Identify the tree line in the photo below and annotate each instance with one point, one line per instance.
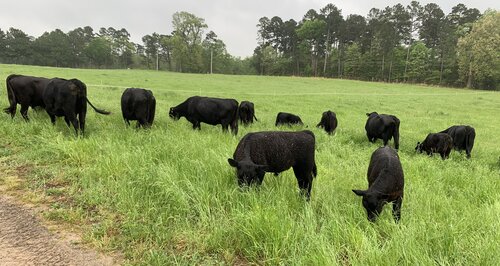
(416, 44)
(186, 49)
(413, 44)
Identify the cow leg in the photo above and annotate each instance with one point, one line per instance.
(81, 118)
(74, 121)
(24, 112)
(127, 122)
(396, 209)
(304, 180)
(447, 153)
(225, 127)
(52, 119)
(12, 110)
(67, 121)
(196, 124)
(369, 138)
(385, 138)
(72, 117)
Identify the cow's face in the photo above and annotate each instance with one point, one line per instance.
(419, 147)
(174, 114)
(248, 173)
(373, 202)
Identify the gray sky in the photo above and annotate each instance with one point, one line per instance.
(234, 21)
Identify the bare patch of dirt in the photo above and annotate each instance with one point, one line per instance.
(26, 239)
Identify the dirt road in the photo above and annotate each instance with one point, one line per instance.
(25, 241)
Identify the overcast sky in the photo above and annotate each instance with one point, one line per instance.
(234, 21)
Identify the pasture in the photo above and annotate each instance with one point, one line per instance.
(168, 195)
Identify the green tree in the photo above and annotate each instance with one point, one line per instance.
(187, 39)
(418, 66)
(334, 24)
(217, 58)
(311, 32)
(18, 47)
(53, 49)
(80, 38)
(3, 46)
(479, 53)
(352, 64)
(99, 52)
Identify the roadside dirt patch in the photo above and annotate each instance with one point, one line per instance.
(25, 239)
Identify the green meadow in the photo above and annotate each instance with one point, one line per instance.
(167, 195)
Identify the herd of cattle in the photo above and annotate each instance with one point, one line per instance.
(257, 152)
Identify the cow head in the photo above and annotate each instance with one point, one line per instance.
(373, 202)
(371, 114)
(248, 172)
(419, 147)
(174, 114)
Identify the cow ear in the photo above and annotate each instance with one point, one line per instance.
(367, 114)
(232, 162)
(359, 192)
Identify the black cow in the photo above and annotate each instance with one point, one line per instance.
(140, 105)
(463, 138)
(328, 122)
(276, 151)
(68, 98)
(440, 143)
(385, 184)
(212, 111)
(287, 119)
(246, 112)
(382, 126)
(26, 91)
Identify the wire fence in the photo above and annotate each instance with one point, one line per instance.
(458, 92)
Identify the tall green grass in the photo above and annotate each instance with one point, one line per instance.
(168, 196)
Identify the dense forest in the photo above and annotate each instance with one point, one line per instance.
(415, 44)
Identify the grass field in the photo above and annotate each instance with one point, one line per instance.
(168, 196)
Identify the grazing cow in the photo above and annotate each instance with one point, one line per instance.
(246, 112)
(276, 151)
(382, 126)
(385, 184)
(68, 98)
(328, 122)
(140, 105)
(463, 138)
(26, 91)
(287, 119)
(212, 111)
(440, 143)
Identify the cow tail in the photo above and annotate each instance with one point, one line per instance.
(12, 98)
(103, 112)
(255, 117)
(396, 134)
(234, 121)
(469, 141)
(151, 110)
